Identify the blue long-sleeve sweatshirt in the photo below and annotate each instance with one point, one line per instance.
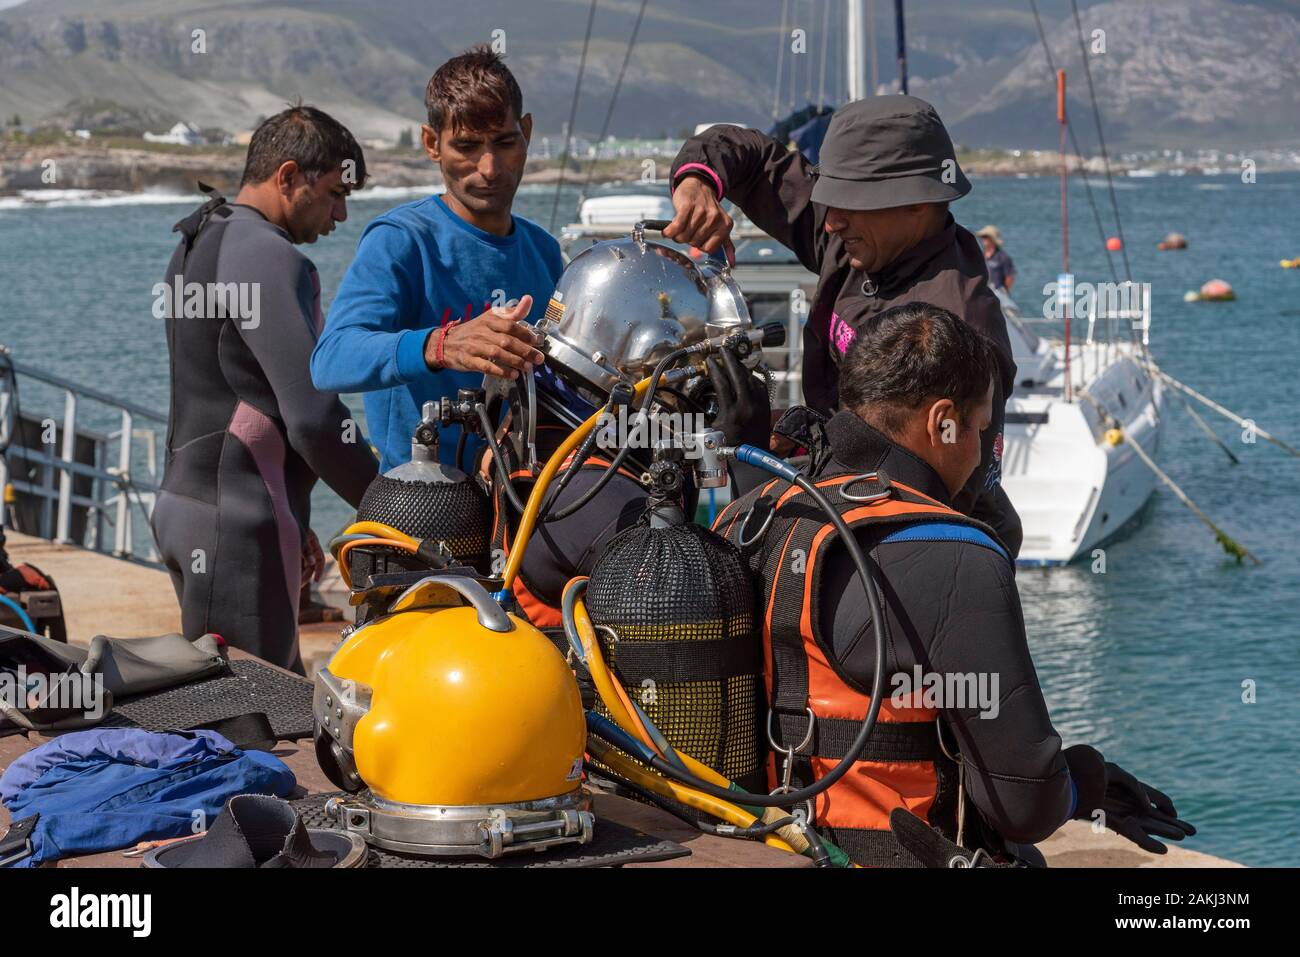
(420, 266)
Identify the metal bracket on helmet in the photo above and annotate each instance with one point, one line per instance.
(490, 615)
(481, 830)
(338, 705)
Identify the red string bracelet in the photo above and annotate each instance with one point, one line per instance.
(442, 338)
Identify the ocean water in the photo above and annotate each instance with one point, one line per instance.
(1149, 661)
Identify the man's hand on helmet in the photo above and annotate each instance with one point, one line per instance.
(700, 220)
(744, 409)
(498, 343)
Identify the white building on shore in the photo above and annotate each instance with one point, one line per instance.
(182, 134)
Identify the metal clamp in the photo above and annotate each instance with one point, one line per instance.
(787, 767)
(865, 477)
(488, 831)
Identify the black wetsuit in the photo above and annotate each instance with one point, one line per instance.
(953, 608)
(773, 186)
(248, 434)
(571, 546)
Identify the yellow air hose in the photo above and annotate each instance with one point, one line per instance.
(606, 687)
(624, 767)
(553, 465)
(380, 530)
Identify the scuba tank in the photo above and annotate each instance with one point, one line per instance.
(430, 502)
(681, 602)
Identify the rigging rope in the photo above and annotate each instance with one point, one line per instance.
(1228, 543)
(1226, 413)
(1074, 141)
(1101, 140)
(573, 116)
(613, 98)
(780, 60)
(821, 83)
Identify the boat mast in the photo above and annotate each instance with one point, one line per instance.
(901, 36)
(855, 60)
(1066, 300)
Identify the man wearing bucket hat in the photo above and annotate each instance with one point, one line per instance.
(871, 219)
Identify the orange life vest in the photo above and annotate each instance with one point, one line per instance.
(812, 702)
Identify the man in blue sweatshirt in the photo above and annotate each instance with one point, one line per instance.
(444, 289)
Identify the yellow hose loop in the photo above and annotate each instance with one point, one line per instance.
(600, 675)
(380, 530)
(606, 687)
(529, 519)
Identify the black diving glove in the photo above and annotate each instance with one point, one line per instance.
(744, 409)
(1132, 809)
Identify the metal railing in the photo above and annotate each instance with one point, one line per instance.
(66, 451)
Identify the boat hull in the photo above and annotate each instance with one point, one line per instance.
(1075, 483)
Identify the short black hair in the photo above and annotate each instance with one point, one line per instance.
(312, 138)
(911, 353)
(474, 91)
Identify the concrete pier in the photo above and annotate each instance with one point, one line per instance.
(104, 595)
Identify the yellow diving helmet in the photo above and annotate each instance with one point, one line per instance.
(458, 727)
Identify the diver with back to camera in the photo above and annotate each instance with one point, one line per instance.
(986, 770)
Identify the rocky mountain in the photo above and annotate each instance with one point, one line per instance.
(1180, 72)
(1193, 73)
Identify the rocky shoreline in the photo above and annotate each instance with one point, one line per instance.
(125, 169)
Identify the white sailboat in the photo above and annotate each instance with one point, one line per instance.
(1068, 462)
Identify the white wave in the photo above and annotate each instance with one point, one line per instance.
(64, 198)
(398, 192)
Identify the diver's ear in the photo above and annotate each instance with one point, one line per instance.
(429, 139)
(941, 423)
(286, 177)
(526, 127)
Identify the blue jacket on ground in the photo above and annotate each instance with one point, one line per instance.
(103, 789)
(420, 266)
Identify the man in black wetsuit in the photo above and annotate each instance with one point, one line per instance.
(249, 434)
(917, 388)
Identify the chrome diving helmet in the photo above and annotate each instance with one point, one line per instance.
(624, 304)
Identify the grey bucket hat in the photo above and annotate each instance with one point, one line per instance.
(887, 151)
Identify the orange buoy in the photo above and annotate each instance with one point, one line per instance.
(1216, 290)
(1113, 244)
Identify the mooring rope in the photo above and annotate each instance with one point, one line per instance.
(1227, 413)
(1229, 544)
